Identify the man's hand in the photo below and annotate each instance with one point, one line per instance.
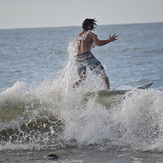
(113, 37)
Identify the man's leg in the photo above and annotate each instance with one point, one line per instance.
(77, 84)
(106, 80)
(82, 75)
(99, 70)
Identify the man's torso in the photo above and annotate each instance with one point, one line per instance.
(84, 42)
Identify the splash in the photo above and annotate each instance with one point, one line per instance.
(53, 115)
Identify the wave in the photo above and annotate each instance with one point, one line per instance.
(54, 119)
(53, 115)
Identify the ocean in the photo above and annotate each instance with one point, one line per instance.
(41, 113)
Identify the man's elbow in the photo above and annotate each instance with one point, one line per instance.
(99, 43)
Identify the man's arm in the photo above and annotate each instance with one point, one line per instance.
(103, 42)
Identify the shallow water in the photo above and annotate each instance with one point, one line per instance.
(82, 155)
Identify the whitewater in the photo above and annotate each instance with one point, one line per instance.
(41, 113)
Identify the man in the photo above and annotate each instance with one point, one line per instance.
(84, 42)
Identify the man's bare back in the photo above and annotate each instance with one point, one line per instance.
(87, 40)
(84, 42)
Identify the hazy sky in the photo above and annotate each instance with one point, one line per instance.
(52, 13)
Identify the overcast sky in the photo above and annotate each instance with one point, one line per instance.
(52, 13)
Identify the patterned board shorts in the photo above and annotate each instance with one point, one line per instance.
(87, 59)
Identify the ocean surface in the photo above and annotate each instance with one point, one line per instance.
(40, 112)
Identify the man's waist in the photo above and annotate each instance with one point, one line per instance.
(84, 56)
(85, 53)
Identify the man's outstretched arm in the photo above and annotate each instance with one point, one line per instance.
(103, 42)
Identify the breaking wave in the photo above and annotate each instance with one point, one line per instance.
(53, 115)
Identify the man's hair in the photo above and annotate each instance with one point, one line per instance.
(89, 24)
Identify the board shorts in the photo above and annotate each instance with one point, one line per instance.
(87, 59)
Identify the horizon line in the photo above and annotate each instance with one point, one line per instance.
(10, 28)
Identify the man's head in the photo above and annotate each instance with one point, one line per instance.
(89, 24)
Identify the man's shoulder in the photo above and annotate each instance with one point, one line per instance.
(80, 34)
(86, 34)
(93, 34)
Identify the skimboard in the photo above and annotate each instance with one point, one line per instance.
(120, 92)
(108, 97)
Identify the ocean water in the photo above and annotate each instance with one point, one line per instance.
(40, 113)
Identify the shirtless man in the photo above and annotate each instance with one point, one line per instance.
(84, 58)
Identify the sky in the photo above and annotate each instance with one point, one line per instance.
(54, 13)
